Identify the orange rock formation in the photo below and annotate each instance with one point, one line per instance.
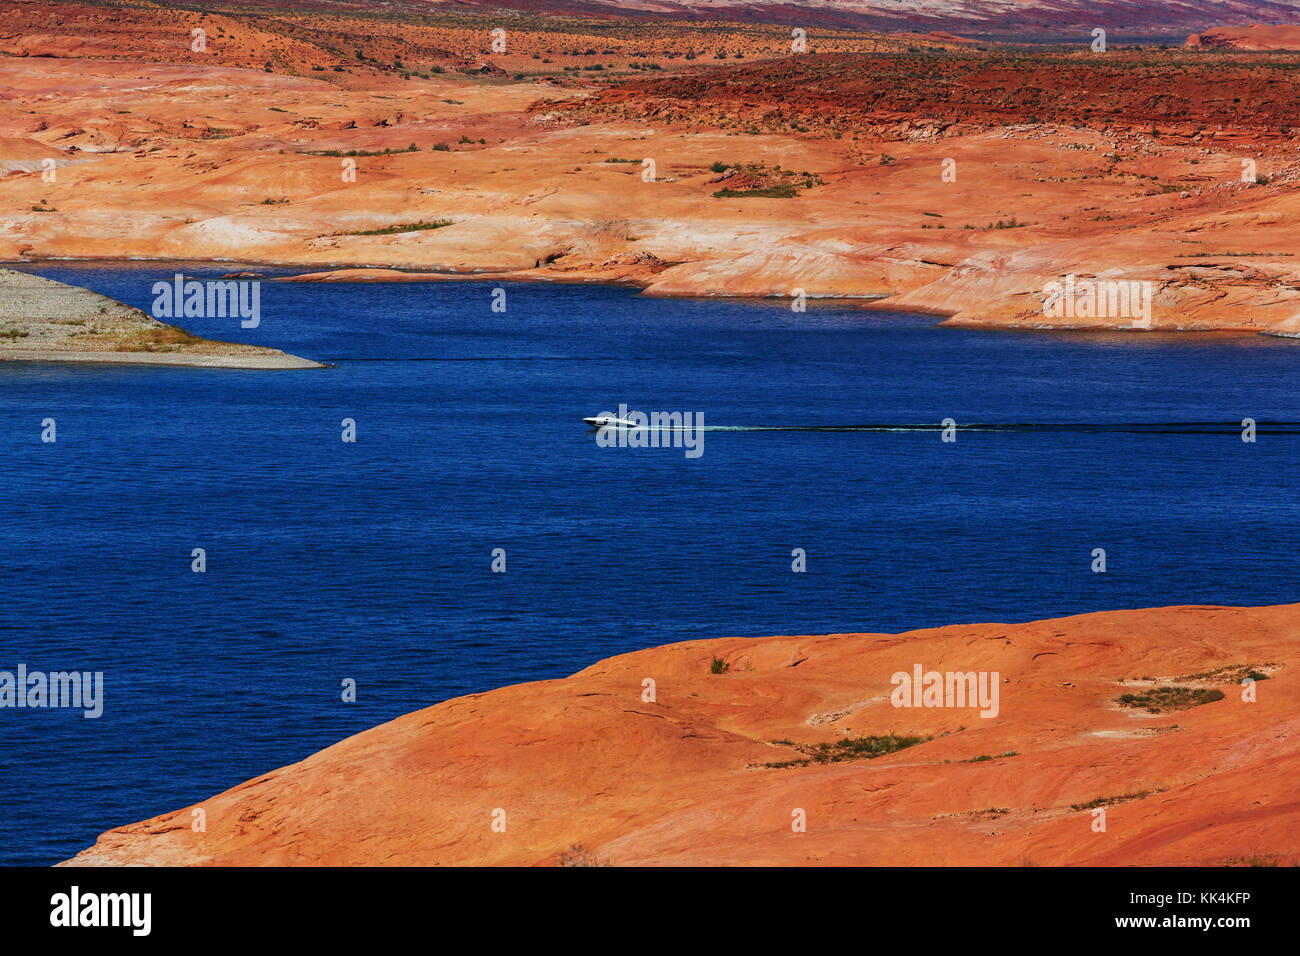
(714, 768)
(950, 181)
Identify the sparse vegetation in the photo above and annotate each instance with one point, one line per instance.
(1158, 700)
(848, 748)
(360, 152)
(756, 180)
(1218, 255)
(1229, 674)
(1110, 801)
(983, 757)
(578, 855)
(763, 192)
(164, 338)
(1259, 859)
(420, 226)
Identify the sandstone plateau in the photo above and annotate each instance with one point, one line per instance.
(907, 173)
(711, 770)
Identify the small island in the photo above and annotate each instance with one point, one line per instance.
(46, 321)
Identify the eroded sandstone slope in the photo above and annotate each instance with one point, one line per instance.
(715, 769)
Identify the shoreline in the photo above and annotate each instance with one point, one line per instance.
(284, 362)
(341, 274)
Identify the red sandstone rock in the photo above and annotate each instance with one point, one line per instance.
(683, 779)
(1167, 167)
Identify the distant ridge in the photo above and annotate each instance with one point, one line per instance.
(1021, 18)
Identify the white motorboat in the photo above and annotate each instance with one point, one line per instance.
(610, 421)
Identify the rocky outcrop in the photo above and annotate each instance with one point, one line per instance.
(1177, 724)
(1257, 36)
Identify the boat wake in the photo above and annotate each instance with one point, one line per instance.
(1134, 428)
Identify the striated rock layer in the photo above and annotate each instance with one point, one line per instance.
(923, 174)
(716, 767)
(966, 204)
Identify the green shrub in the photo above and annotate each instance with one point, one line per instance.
(1159, 699)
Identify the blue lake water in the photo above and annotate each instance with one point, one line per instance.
(372, 560)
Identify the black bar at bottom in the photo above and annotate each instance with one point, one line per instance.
(639, 906)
